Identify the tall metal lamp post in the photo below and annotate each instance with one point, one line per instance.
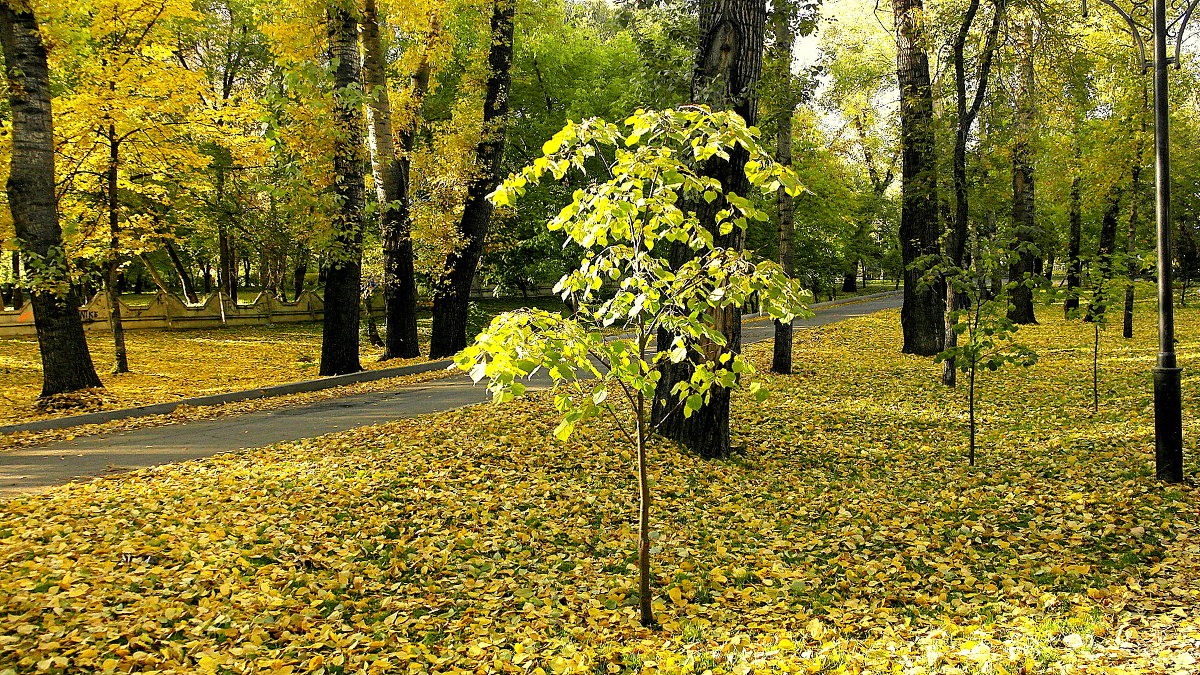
(1168, 404)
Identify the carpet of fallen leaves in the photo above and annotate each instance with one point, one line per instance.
(847, 535)
(171, 365)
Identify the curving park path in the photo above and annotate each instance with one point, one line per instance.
(37, 469)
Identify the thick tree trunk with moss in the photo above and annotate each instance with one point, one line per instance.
(343, 273)
(452, 293)
(922, 317)
(391, 167)
(728, 65)
(66, 361)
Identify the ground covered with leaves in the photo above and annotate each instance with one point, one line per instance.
(171, 365)
(847, 535)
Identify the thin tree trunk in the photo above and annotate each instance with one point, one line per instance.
(781, 357)
(453, 293)
(1075, 233)
(120, 355)
(343, 274)
(645, 597)
(159, 282)
(66, 361)
(391, 167)
(181, 271)
(1135, 191)
(728, 65)
(1098, 304)
(18, 295)
(298, 274)
(922, 317)
(1024, 224)
(226, 259)
(956, 241)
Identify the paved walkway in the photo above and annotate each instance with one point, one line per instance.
(37, 469)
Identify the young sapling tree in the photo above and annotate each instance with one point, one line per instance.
(626, 223)
(984, 331)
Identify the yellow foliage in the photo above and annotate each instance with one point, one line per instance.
(848, 536)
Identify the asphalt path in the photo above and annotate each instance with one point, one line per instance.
(37, 469)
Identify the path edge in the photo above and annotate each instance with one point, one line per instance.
(228, 397)
(302, 386)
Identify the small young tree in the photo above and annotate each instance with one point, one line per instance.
(984, 330)
(626, 224)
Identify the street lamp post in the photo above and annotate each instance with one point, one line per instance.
(1168, 404)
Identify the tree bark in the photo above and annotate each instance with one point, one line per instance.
(66, 361)
(18, 294)
(1104, 257)
(1074, 234)
(781, 357)
(343, 274)
(1021, 269)
(922, 317)
(391, 167)
(956, 240)
(453, 293)
(120, 355)
(181, 271)
(1135, 190)
(728, 65)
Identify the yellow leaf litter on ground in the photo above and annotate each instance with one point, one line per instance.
(847, 535)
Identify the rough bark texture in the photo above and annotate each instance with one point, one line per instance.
(1074, 234)
(343, 273)
(452, 294)
(391, 167)
(956, 239)
(66, 362)
(781, 358)
(922, 317)
(1025, 231)
(728, 66)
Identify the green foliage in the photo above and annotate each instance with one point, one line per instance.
(627, 223)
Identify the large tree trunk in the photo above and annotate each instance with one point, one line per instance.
(922, 317)
(781, 357)
(66, 361)
(391, 167)
(728, 65)
(1021, 269)
(343, 273)
(956, 240)
(452, 293)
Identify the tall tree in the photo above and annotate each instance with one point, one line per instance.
(391, 164)
(781, 61)
(343, 274)
(66, 362)
(956, 239)
(922, 318)
(728, 64)
(452, 293)
(1025, 229)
